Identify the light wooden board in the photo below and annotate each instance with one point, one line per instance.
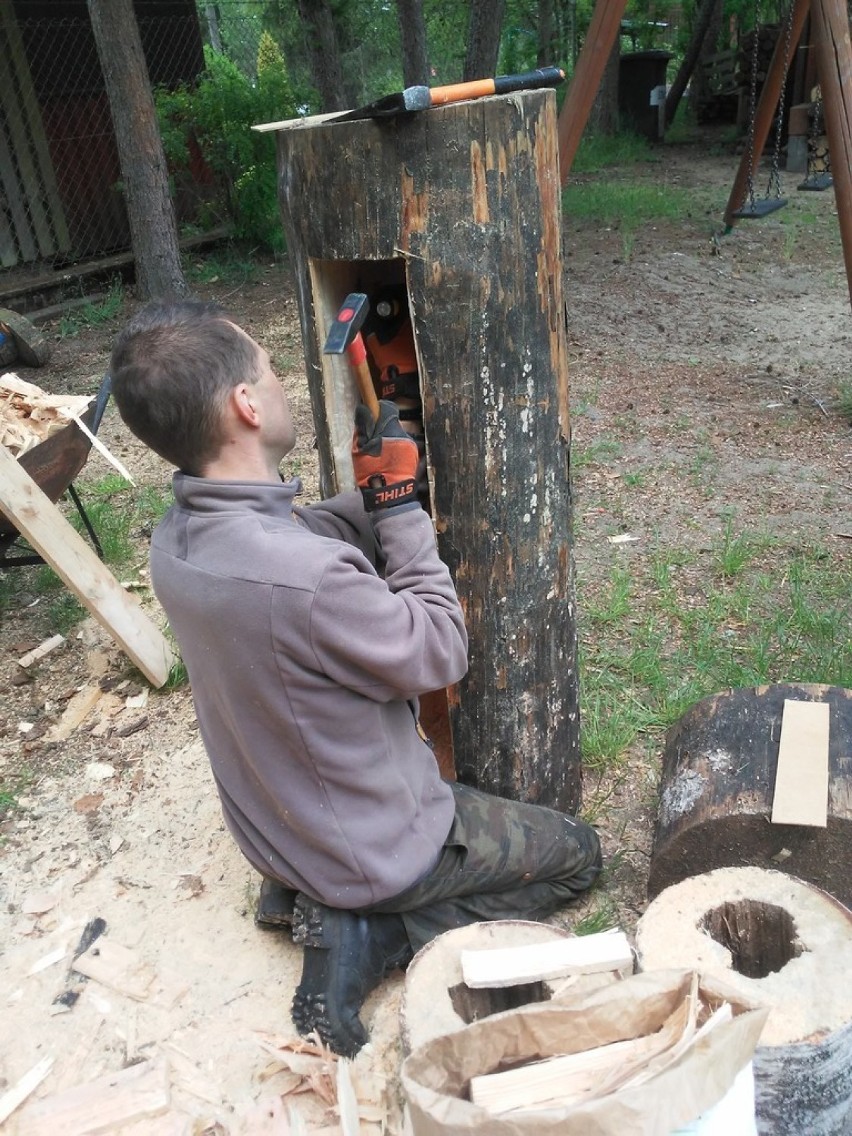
(513, 966)
(44, 526)
(103, 1105)
(801, 778)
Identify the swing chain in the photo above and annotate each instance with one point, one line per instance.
(752, 107)
(774, 175)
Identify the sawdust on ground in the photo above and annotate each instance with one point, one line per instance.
(691, 355)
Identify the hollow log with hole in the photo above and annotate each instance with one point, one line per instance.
(718, 783)
(437, 1001)
(785, 945)
(459, 207)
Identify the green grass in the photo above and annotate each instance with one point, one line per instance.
(598, 151)
(228, 267)
(844, 401)
(121, 515)
(653, 641)
(12, 787)
(94, 315)
(629, 204)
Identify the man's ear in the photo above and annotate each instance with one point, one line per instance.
(243, 403)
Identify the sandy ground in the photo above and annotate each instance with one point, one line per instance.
(682, 345)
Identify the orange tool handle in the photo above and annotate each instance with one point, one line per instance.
(502, 85)
(357, 354)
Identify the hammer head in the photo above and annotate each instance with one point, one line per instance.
(347, 323)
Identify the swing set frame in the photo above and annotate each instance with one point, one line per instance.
(831, 42)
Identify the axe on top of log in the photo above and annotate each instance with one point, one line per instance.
(422, 98)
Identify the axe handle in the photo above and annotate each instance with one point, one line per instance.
(357, 353)
(502, 85)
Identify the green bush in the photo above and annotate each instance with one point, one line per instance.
(216, 115)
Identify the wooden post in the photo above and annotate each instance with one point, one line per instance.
(461, 205)
(602, 34)
(834, 66)
(765, 110)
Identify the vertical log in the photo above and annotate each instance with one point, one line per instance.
(765, 109)
(462, 204)
(834, 65)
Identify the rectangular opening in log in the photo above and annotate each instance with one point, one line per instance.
(391, 349)
(388, 332)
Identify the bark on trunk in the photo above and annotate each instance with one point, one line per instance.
(717, 789)
(153, 229)
(684, 74)
(412, 34)
(324, 51)
(483, 38)
(436, 214)
(604, 116)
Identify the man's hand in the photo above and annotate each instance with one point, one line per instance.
(384, 457)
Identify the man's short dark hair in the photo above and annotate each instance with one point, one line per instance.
(172, 369)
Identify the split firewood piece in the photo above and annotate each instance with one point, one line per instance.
(573, 1078)
(103, 1105)
(40, 651)
(539, 962)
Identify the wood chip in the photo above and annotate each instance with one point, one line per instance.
(13, 1098)
(77, 710)
(118, 968)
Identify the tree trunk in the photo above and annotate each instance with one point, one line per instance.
(436, 217)
(547, 52)
(483, 38)
(153, 229)
(698, 90)
(604, 116)
(211, 15)
(702, 23)
(324, 50)
(412, 34)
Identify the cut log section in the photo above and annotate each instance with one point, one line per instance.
(787, 946)
(437, 1001)
(717, 787)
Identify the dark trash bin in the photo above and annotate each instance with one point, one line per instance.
(640, 74)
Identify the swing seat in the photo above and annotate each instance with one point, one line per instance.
(760, 208)
(817, 183)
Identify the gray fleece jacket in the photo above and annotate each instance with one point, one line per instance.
(305, 667)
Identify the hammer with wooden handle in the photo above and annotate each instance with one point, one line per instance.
(345, 336)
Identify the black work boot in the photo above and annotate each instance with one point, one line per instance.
(274, 905)
(346, 955)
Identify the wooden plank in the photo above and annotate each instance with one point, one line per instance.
(40, 651)
(15, 197)
(19, 134)
(801, 777)
(103, 1105)
(538, 962)
(32, 112)
(61, 546)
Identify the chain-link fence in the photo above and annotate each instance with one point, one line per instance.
(60, 180)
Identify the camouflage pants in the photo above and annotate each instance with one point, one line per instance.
(501, 860)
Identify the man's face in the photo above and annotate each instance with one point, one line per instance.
(277, 430)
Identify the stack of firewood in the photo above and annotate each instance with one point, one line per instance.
(28, 414)
(767, 37)
(819, 161)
